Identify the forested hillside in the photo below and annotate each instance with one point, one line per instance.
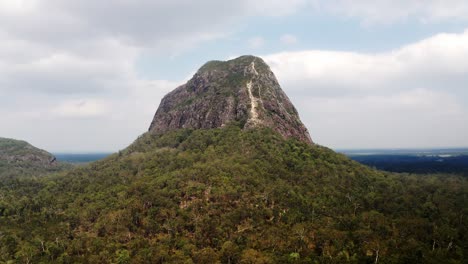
(20, 159)
(229, 195)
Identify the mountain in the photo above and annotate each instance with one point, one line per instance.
(243, 90)
(238, 193)
(19, 158)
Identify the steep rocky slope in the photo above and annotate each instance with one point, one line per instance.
(243, 90)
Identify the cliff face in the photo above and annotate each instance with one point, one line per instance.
(242, 90)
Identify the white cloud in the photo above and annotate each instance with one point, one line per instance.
(414, 96)
(164, 24)
(415, 118)
(288, 39)
(434, 62)
(82, 123)
(276, 7)
(391, 11)
(256, 42)
(16, 6)
(81, 108)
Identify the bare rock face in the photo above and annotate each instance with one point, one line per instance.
(242, 90)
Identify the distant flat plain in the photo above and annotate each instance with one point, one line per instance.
(446, 160)
(80, 157)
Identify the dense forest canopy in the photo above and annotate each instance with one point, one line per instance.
(232, 196)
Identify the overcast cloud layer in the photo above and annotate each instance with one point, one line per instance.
(415, 95)
(69, 79)
(392, 11)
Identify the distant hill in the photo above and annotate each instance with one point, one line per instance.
(19, 158)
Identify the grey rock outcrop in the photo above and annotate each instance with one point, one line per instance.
(242, 90)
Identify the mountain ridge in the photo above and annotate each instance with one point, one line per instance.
(241, 90)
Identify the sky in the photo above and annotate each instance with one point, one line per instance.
(88, 76)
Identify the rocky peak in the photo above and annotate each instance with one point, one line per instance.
(243, 90)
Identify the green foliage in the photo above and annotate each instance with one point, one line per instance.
(20, 159)
(212, 65)
(232, 196)
(122, 256)
(14, 147)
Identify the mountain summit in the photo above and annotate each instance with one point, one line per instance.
(242, 90)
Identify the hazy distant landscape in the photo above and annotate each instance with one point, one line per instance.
(414, 160)
(80, 157)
